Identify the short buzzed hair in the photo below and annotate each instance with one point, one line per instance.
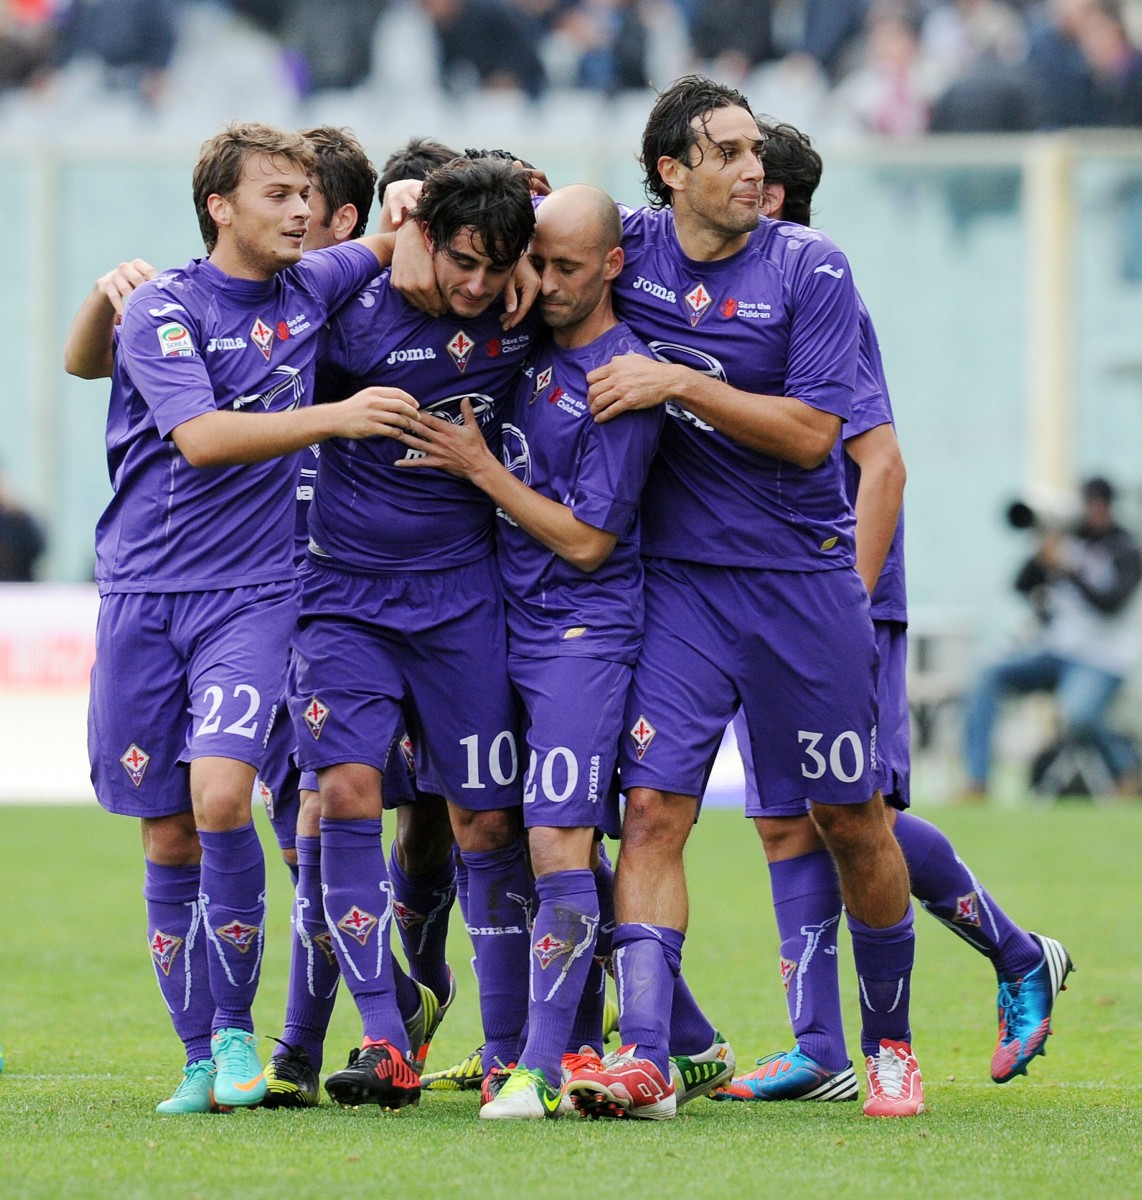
(223, 157)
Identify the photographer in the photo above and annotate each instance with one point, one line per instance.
(1080, 583)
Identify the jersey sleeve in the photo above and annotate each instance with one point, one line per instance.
(158, 348)
(338, 272)
(822, 360)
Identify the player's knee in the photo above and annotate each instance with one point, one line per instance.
(171, 841)
(479, 832)
(350, 792)
(850, 828)
(656, 823)
(787, 837)
(424, 837)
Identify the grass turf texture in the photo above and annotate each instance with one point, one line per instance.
(89, 1050)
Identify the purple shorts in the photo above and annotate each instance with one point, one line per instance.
(430, 646)
(278, 782)
(179, 676)
(794, 650)
(408, 777)
(572, 713)
(892, 732)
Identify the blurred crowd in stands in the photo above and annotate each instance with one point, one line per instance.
(895, 68)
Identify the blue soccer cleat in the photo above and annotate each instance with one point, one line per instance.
(240, 1081)
(195, 1092)
(790, 1075)
(1024, 1007)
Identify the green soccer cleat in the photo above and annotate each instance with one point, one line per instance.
(610, 1018)
(464, 1076)
(240, 1082)
(423, 1024)
(697, 1075)
(526, 1096)
(195, 1093)
(291, 1080)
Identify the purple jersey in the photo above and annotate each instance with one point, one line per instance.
(777, 318)
(872, 407)
(368, 514)
(194, 341)
(551, 442)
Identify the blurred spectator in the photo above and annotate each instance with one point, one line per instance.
(890, 92)
(607, 41)
(21, 539)
(329, 45)
(133, 39)
(488, 44)
(1061, 81)
(832, 27)
(1115, 64)
(990, 97)
(27, 41)
(1080, 582)
(731, 37)
(960, 32)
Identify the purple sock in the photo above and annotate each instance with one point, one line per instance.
(501, 899)
(233, 890)
(645, 957)
(883, 960)
(562, 951)
(461, 882)
(422, 904)
(690, 1029)
(359, 909)
(951, 893)
(807, 905)
(587, 1028)
(313, 971)
(178, 950)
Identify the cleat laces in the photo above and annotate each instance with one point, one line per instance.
(890, 1073)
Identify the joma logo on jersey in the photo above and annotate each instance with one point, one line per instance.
(262, 335)
(225, 344)
(657, 290)
(697, 301)
(175, 340)
(135, 763)
(460, 346)
(416, 354)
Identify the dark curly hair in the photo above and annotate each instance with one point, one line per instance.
(675, 125)
(789, 159)
(486, 195)
(414, 160)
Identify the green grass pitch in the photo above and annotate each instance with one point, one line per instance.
(89, 1050)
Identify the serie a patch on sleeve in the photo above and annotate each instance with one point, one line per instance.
(174, 339)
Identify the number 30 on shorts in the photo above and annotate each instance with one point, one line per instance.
(844, 760)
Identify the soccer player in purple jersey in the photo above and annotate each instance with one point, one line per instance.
(209, 405)
(751, 599)
(341, 194)
(566, 493)
(402, 614)
(807, 900)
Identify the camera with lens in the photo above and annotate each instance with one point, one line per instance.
(1044, 511)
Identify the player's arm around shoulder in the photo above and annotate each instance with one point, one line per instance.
(89, 350)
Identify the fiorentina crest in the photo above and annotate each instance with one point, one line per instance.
(642, 735)
(967, 910)
(135, 763)
(358, 924)
(164, 950)
(548, 948)
(240, 935)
